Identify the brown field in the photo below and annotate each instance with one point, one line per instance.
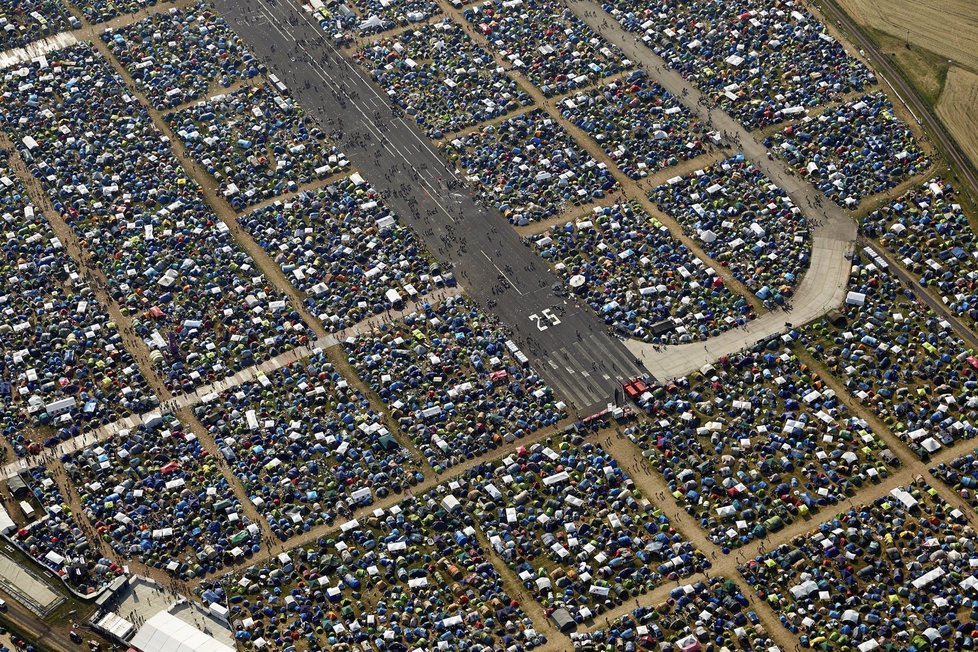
(942, 60)
(948, 28)
(958, 109)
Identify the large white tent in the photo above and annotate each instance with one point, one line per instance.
(164, 632)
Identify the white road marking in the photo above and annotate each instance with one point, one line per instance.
(501, 273)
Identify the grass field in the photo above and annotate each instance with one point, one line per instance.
(942, 57)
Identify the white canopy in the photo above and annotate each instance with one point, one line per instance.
(164, 632)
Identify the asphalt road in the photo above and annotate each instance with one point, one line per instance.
(37, 631)
(566, 342)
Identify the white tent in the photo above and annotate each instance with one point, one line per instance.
(164, 632)
(6, 523)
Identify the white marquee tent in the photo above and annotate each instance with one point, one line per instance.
(164, 632)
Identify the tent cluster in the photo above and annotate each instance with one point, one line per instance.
(638, 278)
(744, 222)
(897, 574)
(711, 615)
(529, 167)
(453, 381)
(414, 576)
(637, 123)
(306, 445)
(762, 61)
(441, 78)
(194, 296)
(338, 20)
(381, 15)
(174, 56)
(256, 144)
(62, 361)
(754, 442)
(544, 40)
(100, 11)
(900, 359)
(155, 494)
(24, 21)
(54, 539)
(568, 520)
(961, 473)
(853, 150)
(932, 235)
(346, 251)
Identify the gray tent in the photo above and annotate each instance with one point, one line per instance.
(562, 620)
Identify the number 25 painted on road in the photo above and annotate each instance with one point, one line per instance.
(538, 320)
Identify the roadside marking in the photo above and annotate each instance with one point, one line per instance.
(503, 274)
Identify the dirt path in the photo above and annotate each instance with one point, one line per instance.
(569, 214)
(271, 271)
(654, 487)
(683, 168)
(338, 358)
(649, 481)
(514, 588)
(80, 516)
(651, 484)
(431, 481)
(875, 202)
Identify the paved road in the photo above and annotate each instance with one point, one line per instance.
(824, 285)
(567, 344)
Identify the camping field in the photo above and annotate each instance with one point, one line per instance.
(942, 60)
